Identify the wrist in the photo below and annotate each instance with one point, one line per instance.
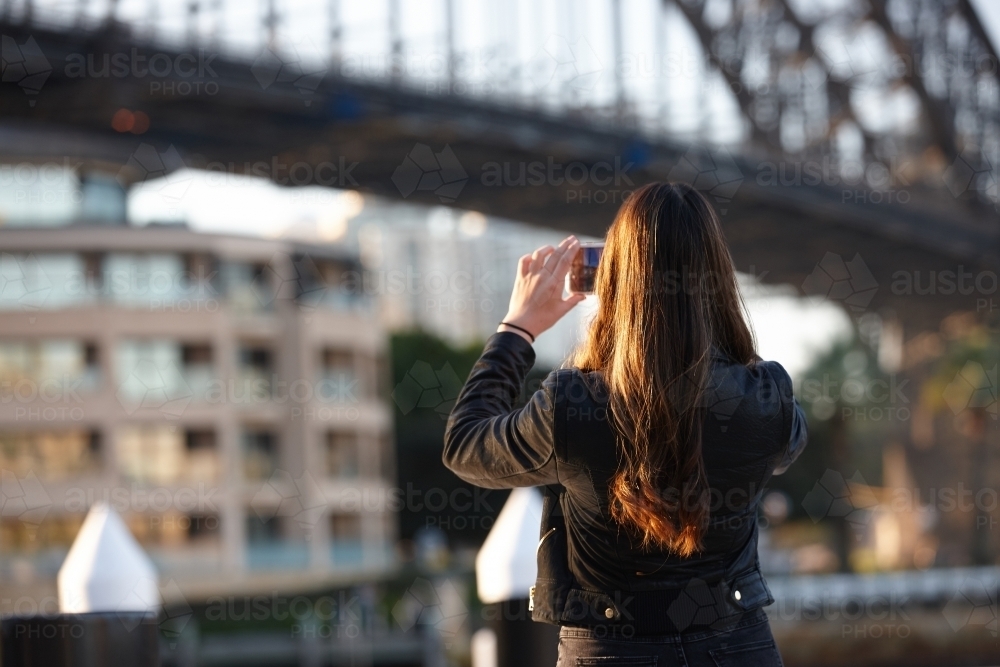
(513, 328)
(525, 321)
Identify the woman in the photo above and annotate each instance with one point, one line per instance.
(653, 447)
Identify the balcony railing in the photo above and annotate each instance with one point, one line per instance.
(278, 555)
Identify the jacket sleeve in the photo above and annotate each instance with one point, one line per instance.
(798, 432)
(487, 442)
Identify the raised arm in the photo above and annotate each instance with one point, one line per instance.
(487, 442)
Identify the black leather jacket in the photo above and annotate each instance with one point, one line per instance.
(590, 571)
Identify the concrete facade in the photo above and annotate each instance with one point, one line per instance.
(226, 395)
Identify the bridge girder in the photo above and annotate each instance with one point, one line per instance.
(780, 225)
(938, 49)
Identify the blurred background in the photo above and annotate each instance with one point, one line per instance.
(249, 252)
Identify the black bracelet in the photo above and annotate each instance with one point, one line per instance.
(514, 326)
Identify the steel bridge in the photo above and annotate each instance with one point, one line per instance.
(862, 138)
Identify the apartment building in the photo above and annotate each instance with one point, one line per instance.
(225, 394)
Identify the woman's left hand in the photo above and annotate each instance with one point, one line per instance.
(537, 302)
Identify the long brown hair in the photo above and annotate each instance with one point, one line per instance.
(668, 295)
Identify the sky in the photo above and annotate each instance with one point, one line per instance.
(989, 15)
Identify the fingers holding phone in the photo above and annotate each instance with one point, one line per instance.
(537, 301)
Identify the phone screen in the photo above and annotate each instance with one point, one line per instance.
(583, 271)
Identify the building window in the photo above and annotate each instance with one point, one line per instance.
(345, 527)
(174, 529)
(256, 365)
(150, 454)
(263, 531)
(150, 375)
(197, 368)
(269, 548)
(196, 354)
(383, 377)
(202, 455)
(386, 459)
(345, 543)
(46, 281)
(45, 368)
(342, 454)
(202, 528)
(337, 360)
(200, 278)
(49, 454)
(141, 279)
(339, 382)
(159, 454)
(260, 454)
(56, 532)
(328, 283)
(163, 374)
(247, 286)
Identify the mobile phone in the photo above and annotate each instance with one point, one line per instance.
(583, 271)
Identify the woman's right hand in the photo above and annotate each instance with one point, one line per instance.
(537, 301)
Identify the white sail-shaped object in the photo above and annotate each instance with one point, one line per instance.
(106, 569)
(505, 565)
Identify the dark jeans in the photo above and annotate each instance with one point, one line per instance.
(747, 642)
